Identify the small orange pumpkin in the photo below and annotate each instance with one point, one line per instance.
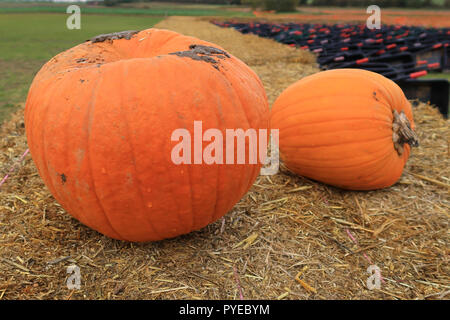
(99, 119)
(349, 128)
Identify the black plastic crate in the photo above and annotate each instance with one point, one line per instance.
(433, 91)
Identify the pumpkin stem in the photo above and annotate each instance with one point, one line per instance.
(402, 132)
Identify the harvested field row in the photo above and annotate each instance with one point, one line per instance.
(428, 18)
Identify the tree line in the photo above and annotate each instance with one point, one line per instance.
(291, 5)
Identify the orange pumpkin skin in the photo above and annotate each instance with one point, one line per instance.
(99, 119)
(337, 127)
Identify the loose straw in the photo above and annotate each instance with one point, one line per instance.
(11, 170)
(238, 283)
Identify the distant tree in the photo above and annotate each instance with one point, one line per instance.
(111, 3)
(254, 4)
(281, 5)
(277, 5)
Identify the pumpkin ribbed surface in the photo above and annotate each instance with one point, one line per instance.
(99, 119)
(343, 127)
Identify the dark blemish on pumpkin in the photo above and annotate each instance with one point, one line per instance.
(180, 116)
(375, 96)
(129, 178)
(81, 80)
(203, 53)
(81, 60)
(114, 36)
(63, 178)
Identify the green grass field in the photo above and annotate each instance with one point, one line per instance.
(437, 75)
(29, 40)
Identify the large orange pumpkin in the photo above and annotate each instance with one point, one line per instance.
(99, 119)
(347, 127)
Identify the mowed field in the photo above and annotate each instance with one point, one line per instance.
(28, 40)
